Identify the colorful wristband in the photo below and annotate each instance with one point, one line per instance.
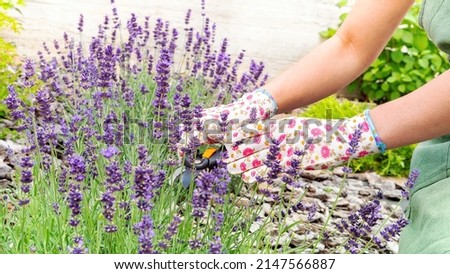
(380, 144)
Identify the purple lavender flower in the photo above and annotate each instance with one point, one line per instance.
(77, 167)
(187, 19)
(256, 70)
(354, 141)
(347, 170)
(109, 134)
(110, 152)
(195, 244)
(26, 178)
(223, 178)
(62, 178)
(74, 199)
(43, 100)
(253, 113)
(56, 208)
(110, 228)
(394, 229)
(272, 161)
(216, 246)
(371, 213)
(162, 78)
(145, 233)
(412, 178)
(219, 217)
(23, 202)
(128, 167)
(142, 153)
(81, 23)
(28, 73)
(312, 212)
(172, 229)
(146, 182)
(202, 193)
(125, 206)
(108, 200)
(107, 63)
(352, 246)
(26, 162)
(78, 247)
(12, 102)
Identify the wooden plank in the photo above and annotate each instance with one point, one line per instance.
(276, 32)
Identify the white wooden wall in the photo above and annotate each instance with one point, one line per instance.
(276, 32)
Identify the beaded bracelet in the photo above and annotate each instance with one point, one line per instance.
(380, 144)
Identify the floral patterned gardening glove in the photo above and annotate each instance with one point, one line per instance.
(216, 124)
(277, 148)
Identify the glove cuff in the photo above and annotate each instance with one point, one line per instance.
(268, 100)
(380, 144)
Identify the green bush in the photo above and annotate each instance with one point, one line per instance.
(408, 61)
(8, 54)
(391, 163)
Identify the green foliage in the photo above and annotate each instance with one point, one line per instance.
(7, 50)
(335, 108)
(408, 61)
(392, 163)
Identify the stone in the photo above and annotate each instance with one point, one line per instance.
(4, 170)
(392, 247)
(342, 214)
(7, 123)
(394, 195)
(9, 145)
(243, 202)
(317, 175)
(4, 183)
(387, 185)
(256, 226)
(373, 179)
(352, 183)
(364, 193)
(282, 240)
(342, 203)
(324, 197)
(312, 189)
(339, 171)
(267, 209)
(271, 188)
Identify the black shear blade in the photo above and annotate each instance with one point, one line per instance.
(187, 177)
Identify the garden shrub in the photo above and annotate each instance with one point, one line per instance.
(8, 56)
(101, 140)
(408, 61)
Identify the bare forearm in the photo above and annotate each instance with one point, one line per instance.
(421, 115)
(325, 70)
(336, 62)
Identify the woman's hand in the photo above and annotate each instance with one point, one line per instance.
(290, 145)
(215, 124)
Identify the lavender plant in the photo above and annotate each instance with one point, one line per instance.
(96, 175)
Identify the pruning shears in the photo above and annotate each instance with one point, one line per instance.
(204, 161)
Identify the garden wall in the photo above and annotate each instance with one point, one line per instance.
(276, 32)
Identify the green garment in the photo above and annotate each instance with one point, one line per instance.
(429, 207)
(434, 18)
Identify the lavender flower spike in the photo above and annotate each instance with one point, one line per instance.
(144, 230)
(110, 151)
